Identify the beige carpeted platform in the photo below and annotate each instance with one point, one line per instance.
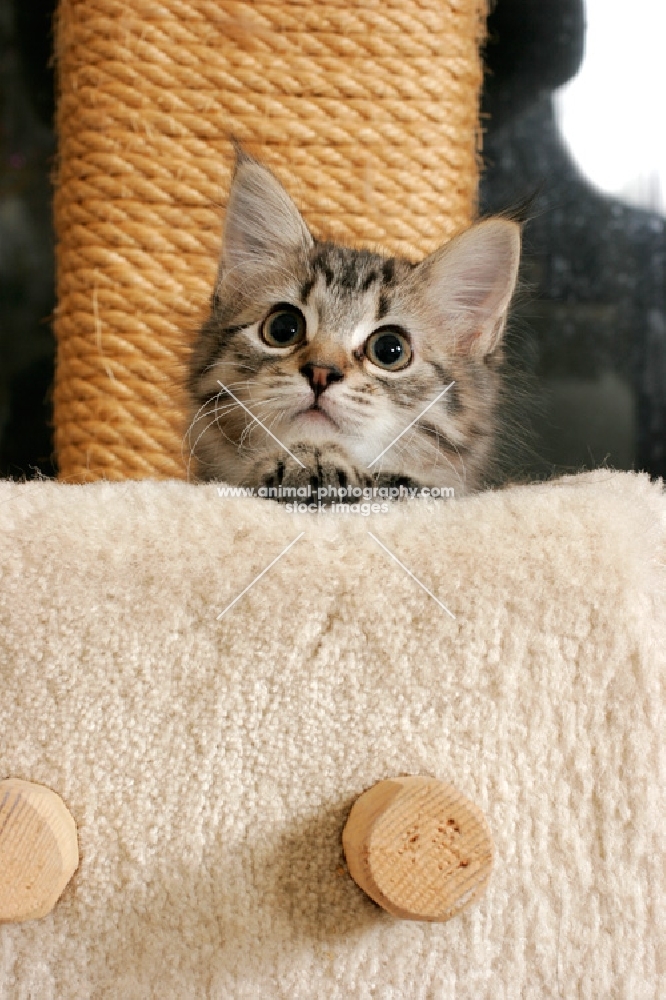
(210, 764)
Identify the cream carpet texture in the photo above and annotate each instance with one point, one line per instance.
(210, 763)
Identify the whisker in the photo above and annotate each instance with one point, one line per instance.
(192, 449)
(233, 364)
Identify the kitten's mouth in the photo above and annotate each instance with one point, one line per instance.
(315, 415)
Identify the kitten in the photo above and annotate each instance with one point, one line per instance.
(338, 351)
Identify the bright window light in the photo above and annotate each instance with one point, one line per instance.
(612, 113)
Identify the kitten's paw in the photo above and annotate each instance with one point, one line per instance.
(320, 468)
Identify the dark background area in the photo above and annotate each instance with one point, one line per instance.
(588, 340)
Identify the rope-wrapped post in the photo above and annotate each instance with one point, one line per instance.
(367, 112)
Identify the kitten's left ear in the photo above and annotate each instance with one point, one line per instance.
(262, 224)
(468, 285)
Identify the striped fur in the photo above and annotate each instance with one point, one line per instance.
(451, 308)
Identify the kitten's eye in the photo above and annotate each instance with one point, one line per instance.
(389, 348)
(283, 327)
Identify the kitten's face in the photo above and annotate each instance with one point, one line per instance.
(336, 352)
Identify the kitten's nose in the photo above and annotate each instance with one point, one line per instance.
(320, 376)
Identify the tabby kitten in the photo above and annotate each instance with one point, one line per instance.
(337, 351)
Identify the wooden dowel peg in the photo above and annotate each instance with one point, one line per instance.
(418, 848)
(38, 850)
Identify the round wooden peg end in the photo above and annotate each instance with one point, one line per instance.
(418, 848)
(38, 850)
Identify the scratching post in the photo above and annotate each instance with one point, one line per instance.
(367, 112)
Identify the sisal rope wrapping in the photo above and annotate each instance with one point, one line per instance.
(367, 112)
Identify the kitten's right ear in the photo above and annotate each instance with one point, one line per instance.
(468, 284)
(262, 224)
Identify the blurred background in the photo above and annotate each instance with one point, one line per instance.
(571, 106)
